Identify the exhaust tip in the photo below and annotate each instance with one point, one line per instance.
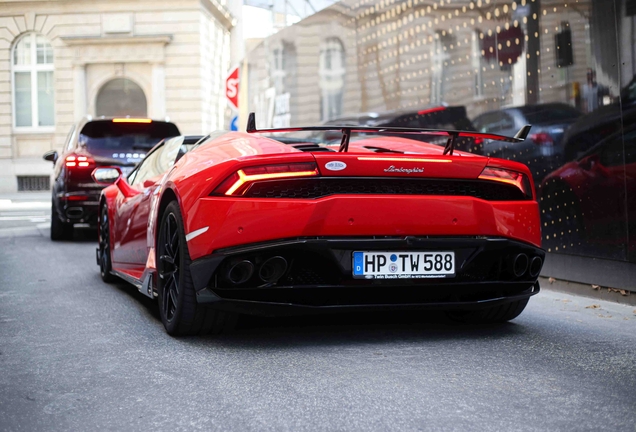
(240, 272)
(520, 264)
(272, 269)
(74, 212)
(535, 266)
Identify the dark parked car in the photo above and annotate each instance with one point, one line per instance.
(543, 150)
(600, 123)
(92, 143)
(439, 117)
(592, 201)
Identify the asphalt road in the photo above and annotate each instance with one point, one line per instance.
(78, 354)
(24, 213)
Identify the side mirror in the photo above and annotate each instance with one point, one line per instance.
(106, 175)
(50, 156)
(149, 183)
(589, 162)
(112, 175)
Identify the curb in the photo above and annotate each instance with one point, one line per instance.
(615, 295)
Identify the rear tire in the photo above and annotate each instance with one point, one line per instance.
(496, 314)
(103, 232)
(180, 313)
(60, 230)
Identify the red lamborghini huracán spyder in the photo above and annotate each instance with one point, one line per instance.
(242, 223)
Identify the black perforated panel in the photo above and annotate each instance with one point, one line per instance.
(320, 187)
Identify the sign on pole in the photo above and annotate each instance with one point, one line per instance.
(232, 88)
(234, 123)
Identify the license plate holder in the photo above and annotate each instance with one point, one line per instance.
(403, 264)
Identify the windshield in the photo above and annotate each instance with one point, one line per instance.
(119, 140)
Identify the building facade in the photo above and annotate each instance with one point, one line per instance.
(61, 60)
(566, 67)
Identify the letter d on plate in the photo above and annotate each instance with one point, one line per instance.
(335, 165)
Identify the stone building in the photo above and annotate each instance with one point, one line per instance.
(61, 60)
(378, 55)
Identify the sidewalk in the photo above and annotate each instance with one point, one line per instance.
(591, 291)
(26, 196)
(25, 201)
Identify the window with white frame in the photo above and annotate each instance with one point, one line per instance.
(478, 64)
(278, 68)
(439, 65)
(331, 72)
(33, 92)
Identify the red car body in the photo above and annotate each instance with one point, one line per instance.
(411, 197)
(589, 201)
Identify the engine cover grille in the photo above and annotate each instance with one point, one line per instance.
(325, 186)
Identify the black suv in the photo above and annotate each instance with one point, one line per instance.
(92, 143)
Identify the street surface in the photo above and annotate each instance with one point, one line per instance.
(78, 354)
(24, 213)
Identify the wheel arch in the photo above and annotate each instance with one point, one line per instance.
(167, 197)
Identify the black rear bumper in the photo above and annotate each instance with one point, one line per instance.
(319, 276)
(77, 211)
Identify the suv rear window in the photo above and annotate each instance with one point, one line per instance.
(104, 137)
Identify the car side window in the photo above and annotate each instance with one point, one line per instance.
(630, 148)
(497, 122)
(486, 122)
(507, 122)
(612, 153)
(620, 150)
(131, 177)
(159, 161)
(69, 139)
(148, 168)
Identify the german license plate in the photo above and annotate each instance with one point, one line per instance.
(403, 265)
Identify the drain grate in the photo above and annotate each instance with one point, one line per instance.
(33, 183)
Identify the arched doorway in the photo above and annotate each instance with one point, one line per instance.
(121, 97)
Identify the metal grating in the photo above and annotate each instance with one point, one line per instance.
(33, 183)
(320, 187)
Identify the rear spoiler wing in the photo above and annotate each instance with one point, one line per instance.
(348, 130)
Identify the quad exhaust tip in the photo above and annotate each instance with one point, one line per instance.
(535, 266)
(272, 269)
(520, 264)
(240, 272)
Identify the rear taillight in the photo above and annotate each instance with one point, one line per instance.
(514, 178)
(542, 139)
(237, 183)
(73, 161)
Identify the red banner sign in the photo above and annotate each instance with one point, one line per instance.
(232, 88)
(505, 46)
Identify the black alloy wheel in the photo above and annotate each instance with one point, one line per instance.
(178, 307)
(169, 273)
(105, 263)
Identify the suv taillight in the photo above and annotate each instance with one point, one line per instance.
(76, 161)
(237, 183)
(542, 139)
